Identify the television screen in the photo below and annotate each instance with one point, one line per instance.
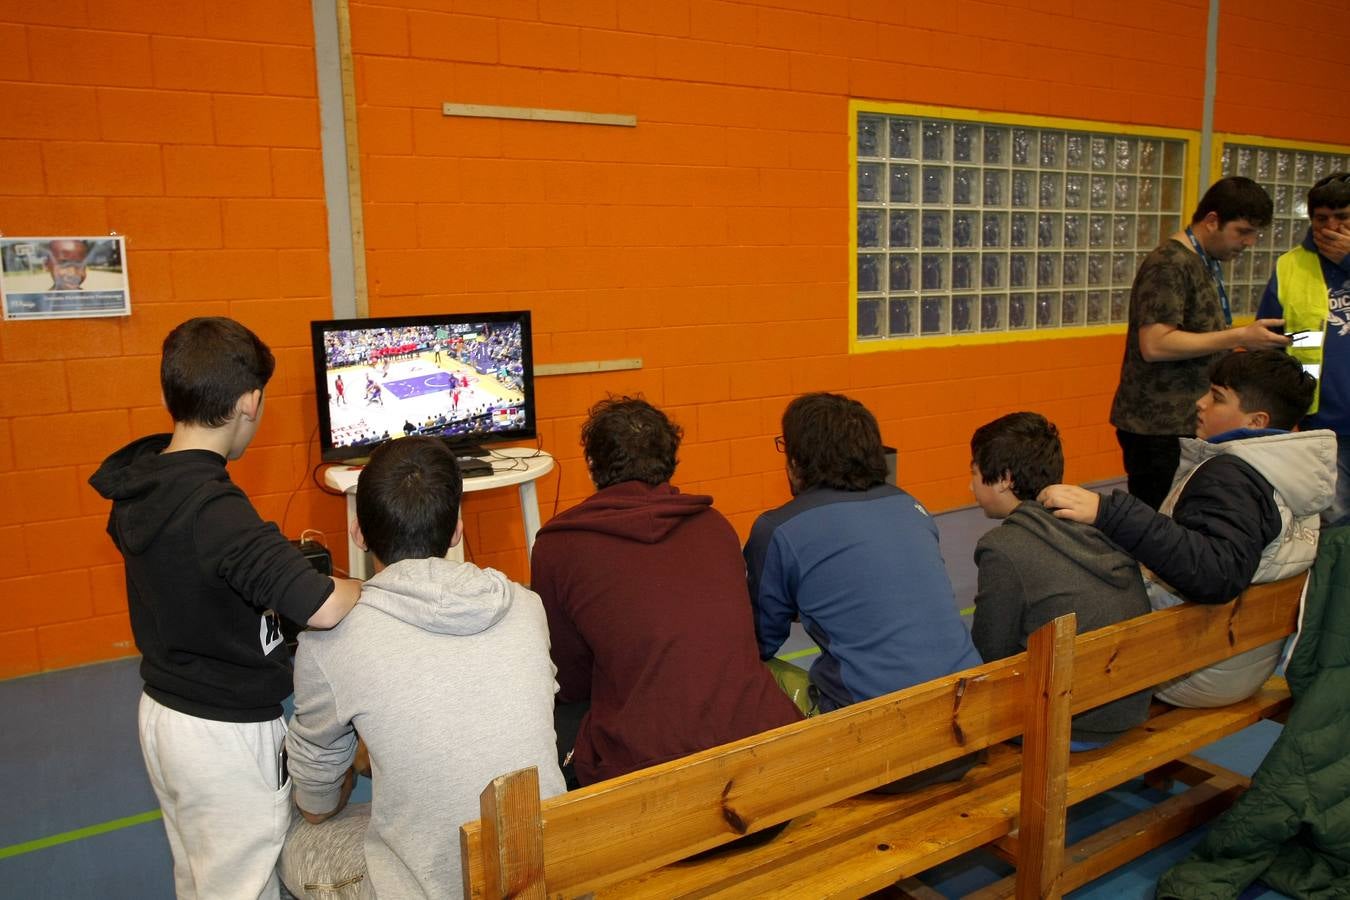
(468, 378)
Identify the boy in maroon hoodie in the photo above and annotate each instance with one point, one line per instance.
(648, 611)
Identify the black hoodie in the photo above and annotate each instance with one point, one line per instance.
(203, 571)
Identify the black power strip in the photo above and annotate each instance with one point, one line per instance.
(317, 554)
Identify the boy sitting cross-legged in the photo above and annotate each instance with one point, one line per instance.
(1243, 508)
(444, 671)
(1035, 567)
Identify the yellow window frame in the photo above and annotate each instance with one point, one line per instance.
(1190, 181)
(1223, 138)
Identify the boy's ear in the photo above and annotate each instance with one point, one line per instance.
(459, 533)
(1259, 419)
(250, 403)
(1005, 481)
(359, 539)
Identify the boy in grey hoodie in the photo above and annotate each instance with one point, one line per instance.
(1035, 567)
(446, 676)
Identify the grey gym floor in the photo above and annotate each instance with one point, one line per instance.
(80, 820)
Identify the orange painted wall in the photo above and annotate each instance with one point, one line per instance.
(193, 129)
(711, 241)
(1280, 72)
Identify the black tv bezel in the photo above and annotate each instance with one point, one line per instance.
(318, 327)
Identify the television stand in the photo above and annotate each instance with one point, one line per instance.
(532, 463)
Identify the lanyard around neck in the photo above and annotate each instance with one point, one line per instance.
(1216, 271)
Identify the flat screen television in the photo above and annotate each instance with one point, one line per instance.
(465, 377)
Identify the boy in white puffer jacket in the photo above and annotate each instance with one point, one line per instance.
(1243, 509)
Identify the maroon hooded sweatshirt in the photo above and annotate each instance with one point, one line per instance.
(649, 619)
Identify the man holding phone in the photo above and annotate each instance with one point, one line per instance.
(1180, 324)
(1310, 290)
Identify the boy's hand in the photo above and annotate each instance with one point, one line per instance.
(1331, 243)
(1069, 501)
(345, 794)
(361, 762)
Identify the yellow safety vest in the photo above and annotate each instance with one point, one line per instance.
(1304, 297)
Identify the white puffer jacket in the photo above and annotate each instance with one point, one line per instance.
(1300, 466)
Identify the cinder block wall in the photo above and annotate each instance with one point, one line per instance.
(712, 240)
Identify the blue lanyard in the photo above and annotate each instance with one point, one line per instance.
(1215, 270)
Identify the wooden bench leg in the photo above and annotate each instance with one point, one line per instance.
(1045, 760)
(1215, 789)
(513, 837)
(1116, 845)
(1190, 770)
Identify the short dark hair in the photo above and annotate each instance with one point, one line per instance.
(207, 364)
(628, 439)
(833, 441)
(1269, 381)
(1236, 197)
(407, 499)
(1022, 445)
(1332, 192)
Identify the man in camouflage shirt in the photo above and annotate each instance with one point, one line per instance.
(1180, 324)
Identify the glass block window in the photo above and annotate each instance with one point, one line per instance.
(1286, 173)
(970, 228)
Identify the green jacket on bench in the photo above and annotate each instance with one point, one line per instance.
(1292, 828)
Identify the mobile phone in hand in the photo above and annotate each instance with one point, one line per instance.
(1307, 339)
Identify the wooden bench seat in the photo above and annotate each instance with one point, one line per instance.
(627, 837)
(876, 840)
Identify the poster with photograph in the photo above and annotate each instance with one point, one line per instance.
(63, 277)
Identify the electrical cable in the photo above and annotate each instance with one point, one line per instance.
(285, 513)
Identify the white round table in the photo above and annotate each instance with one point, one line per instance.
(520, 466)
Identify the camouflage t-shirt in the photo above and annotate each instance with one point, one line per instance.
(1172, 287)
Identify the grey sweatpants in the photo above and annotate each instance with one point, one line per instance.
(328, 861)
(217, 784)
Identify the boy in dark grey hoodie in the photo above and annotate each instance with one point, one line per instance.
(444, 670)
(1035, 567)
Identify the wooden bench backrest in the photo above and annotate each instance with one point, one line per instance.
(637, 822)
(625, 826)
(1130, 656)
(1110, 663)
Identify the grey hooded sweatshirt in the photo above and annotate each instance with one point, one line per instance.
(443, 668)
(1034, 568)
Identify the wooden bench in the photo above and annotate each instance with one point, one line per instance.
(632, 836)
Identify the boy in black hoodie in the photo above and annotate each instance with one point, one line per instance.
(206, 580)
(1035, 567)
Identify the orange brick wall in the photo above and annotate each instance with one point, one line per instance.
(1279, 72)
(711, 240)
(193, 129)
